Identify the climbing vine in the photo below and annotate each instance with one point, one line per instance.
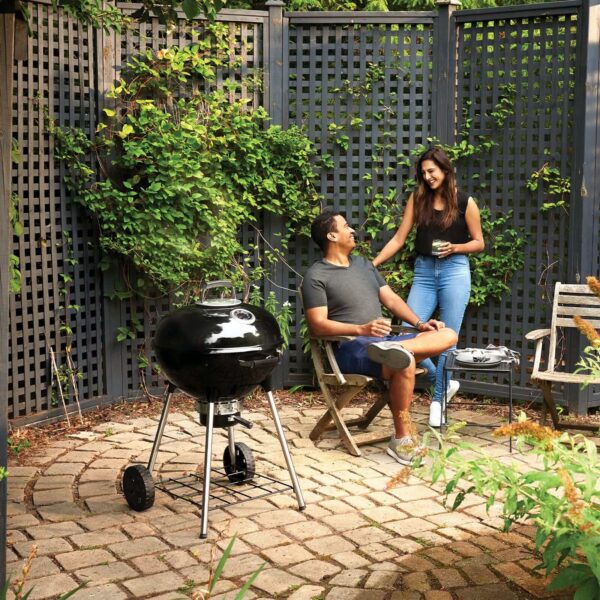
(556, 187)
(185, 164)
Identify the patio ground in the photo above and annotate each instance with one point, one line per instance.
(356, 539)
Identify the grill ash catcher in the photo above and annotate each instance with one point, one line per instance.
(218, 351)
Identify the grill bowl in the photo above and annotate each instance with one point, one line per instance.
(217, 349)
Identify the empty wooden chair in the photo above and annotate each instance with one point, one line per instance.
(548, 369)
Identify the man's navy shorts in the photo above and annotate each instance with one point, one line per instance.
(352, 356)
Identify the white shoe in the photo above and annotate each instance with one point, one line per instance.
(390, 354)
(436, 417)
(453, 387)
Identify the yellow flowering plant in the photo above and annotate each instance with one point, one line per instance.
(590, 362)
(559, 496)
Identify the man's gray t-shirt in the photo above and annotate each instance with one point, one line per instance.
(350, 293)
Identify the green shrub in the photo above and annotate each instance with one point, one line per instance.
(559, 497)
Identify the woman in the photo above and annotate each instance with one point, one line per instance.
(450, 218)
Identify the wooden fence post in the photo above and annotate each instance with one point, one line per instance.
(114, 353)
(443, 98)
(7, 49)
(585, 190)
(275, 102)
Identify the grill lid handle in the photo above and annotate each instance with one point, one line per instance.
(224, 283)
(258, 362)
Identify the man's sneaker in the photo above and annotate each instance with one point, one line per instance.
(403, 450)
(436, 414)
(390, 354)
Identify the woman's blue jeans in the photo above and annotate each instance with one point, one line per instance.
(443, 283)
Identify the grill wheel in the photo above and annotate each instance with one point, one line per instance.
(138, 487)
(244, 468)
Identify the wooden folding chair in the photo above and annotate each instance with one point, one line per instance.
(338, 390)
(569, 300)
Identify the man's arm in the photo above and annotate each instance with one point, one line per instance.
(320, 324)
(394, 303)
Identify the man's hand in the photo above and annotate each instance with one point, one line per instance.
(376, 328)
(432, 325)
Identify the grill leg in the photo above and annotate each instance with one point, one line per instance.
(286, 452)
(207, 468)
(231, 442)
(161, 426)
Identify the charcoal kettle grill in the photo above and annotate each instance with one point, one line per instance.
(218, 351)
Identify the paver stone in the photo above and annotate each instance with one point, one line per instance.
(315, 570)
(276, 581)
(161, 582)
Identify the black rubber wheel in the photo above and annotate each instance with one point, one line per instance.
(138, 487)
(244, 467)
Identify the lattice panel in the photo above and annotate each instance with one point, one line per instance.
(362, 94)
(245, 53)
(537, 56)
(61, 68)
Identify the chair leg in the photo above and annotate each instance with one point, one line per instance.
(375, 409)
(549, 403)
(544, 416)
(340, 425)
(332, 405)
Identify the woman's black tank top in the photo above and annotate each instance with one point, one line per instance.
(457, 233)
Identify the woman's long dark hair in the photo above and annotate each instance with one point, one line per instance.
(423, 195)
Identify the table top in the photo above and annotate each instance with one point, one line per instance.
(506, 366)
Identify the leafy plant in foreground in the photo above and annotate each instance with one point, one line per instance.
(559, 497)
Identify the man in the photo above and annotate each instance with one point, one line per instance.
(342, 295)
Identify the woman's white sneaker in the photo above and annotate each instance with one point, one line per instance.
(436, 416)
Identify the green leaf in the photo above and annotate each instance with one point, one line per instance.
(574, 574)
(240, 595)
(458, 500)
(589, 590)
(127, 130)
(221, 564)
(109, 112)
(190, 8)
(72, 592)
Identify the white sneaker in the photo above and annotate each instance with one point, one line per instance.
(390, 354)
(453, 387)
(436, 416)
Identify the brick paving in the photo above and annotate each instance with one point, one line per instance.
(356, 540)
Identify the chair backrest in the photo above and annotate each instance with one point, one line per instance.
(322, 355)
(571, 300)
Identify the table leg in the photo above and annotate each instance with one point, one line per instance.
(510, 405)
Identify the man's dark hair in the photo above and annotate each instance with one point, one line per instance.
(321, 226)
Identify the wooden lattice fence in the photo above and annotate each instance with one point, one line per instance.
(366, 87)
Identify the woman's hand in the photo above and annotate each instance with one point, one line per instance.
(446, 249)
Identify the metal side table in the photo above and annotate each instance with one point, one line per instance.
(506, 368)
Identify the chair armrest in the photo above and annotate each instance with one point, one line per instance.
(537, 334)
(400, 329)
(332, 338)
